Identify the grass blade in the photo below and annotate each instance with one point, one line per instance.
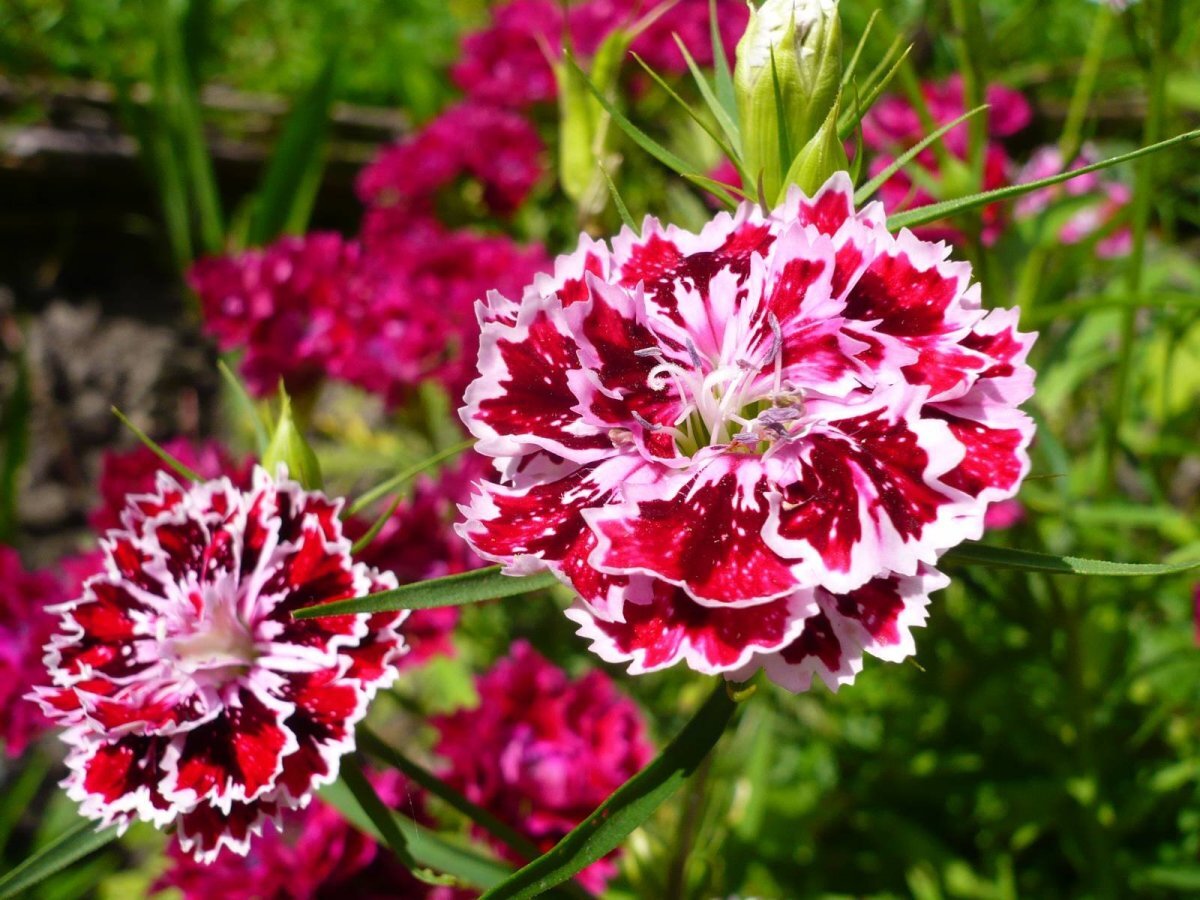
(428, 848)
(180, 468)
(864, 192)
(14, 431)
(289, 185)
(618, 202)
(847, 124)
(936, 211)
(722, 74)
(629, 806)
(862, 43)
(724, 119)
(1006, 558)
(451, 590)
(247, 405)
(72, 845)
(376, 810)
(386, 487)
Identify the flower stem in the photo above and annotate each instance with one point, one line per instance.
(1143, 193)
(1071, 139)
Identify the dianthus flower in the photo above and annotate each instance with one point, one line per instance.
(190, 696)
(24, 628)
(1096, 198)
(556, 749)
(316, 853)
(497, 147)
(135, 471)
(893, 125)
(747, 448)
(278, 305)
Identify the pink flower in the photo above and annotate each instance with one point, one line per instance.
(279, 306)
(509, 63)
(555, 749)
(362, 314)
(135, 471)
(497, 147)
(747, 448)
(24, 627)
(893, 125)
(1003, 514)
(315, 854)
(1106, 201)
(190, 696)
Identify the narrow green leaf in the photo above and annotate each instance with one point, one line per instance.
(727, 122)
(848, 74)
(718, 189)
(158, 451)
(181, 102)
(14, 431)
(935, 211)
(722, 74)
(864, 192)
(1004, 557)
(639, 137)
(375, 746)
(618, 202)
(451, 590)
(386, 487)
(247, 405)
(427, 847)
(197, 36)
(846, 125)
(377, 811)
(377, 526)
(629, 806)
(781, 118)
(724, 146)
(289, 184)
(72, 845)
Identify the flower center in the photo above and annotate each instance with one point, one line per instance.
(213, 642)
(728, 404)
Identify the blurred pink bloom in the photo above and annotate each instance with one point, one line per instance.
(1003, 514)
(134, 472)
(509, 62)
(278, 304)
(893, 125)
(383, 313)
(318, 854)
(24, 627)
(541, 751)
(497, 147)
(1107, 200)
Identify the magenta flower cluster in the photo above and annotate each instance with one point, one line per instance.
(25, 626)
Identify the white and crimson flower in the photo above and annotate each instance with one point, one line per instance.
(747, 448)
(190, 696)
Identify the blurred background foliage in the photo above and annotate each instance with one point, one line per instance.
(1046, 741)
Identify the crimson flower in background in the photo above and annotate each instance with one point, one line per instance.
(747, 448)
(508, 63)
(316, 853)
(25, 626)
(893, 125)
(189, 695)
(359, 311)
(555, 749)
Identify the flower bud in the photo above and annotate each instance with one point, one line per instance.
(288, 446)
(817, 160)
(796, 44)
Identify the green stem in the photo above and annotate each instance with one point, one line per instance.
(1071, 139)
(1142, 196)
